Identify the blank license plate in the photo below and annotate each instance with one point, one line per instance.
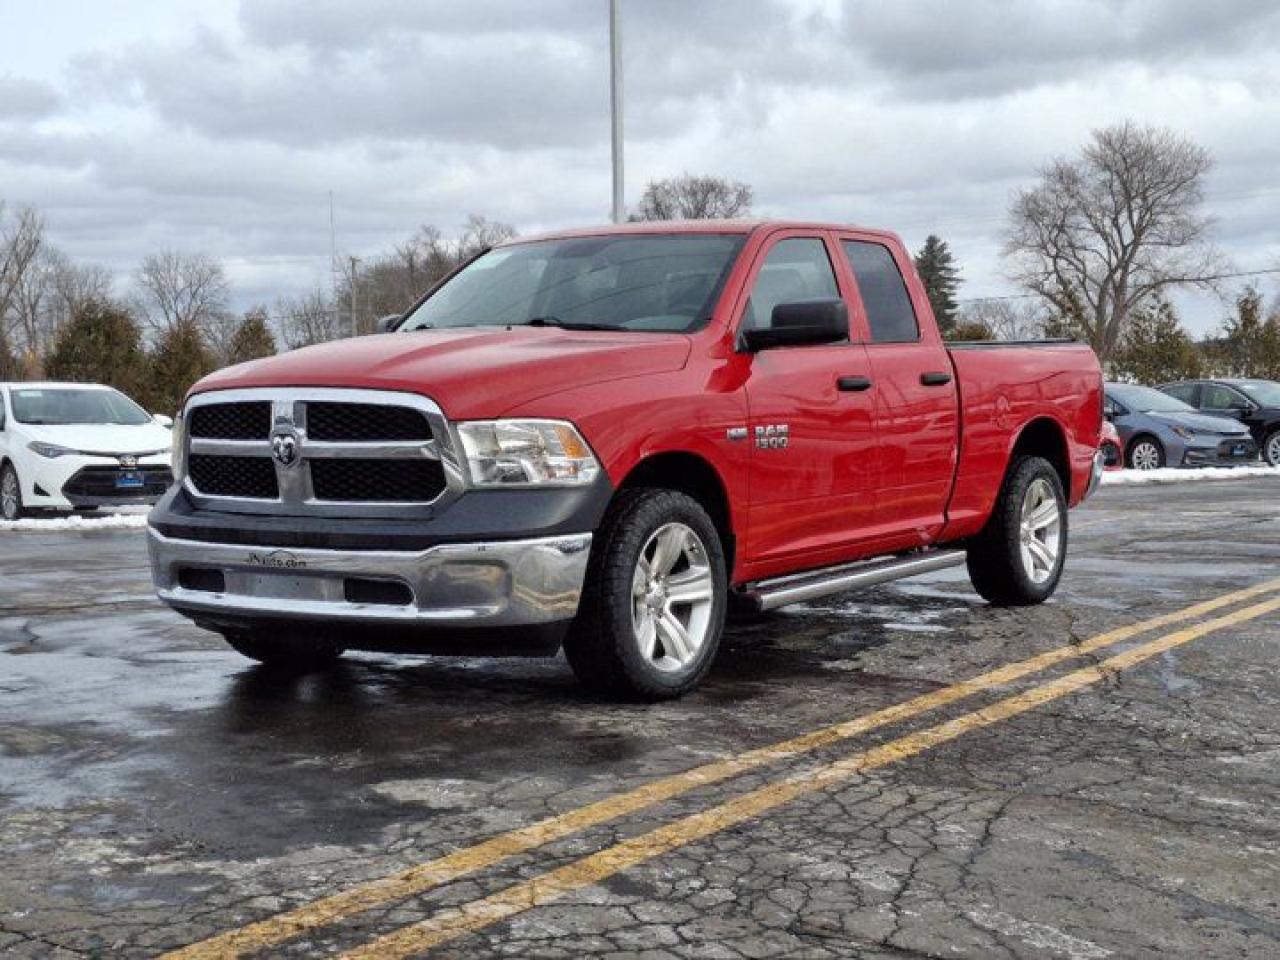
(130, 478)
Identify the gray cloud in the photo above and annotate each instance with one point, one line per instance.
(26, 99)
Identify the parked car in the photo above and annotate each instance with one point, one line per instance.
(604, 438)
(78, 446)
(1110, 447)
(1158, 430)
(1255, 403)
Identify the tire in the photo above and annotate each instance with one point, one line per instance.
(1145, 453)
(11, 507)
(1271, 448)
(631, 639)
(285, 653)
(1005, 567)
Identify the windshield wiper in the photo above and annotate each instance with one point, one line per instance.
(568, 325)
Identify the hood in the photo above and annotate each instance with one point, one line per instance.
(1203, 423)
(105, 438)
(472, 372)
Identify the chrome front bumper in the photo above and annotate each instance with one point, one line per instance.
(500, 584)
(1095, 476)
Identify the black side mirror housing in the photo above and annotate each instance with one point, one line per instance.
(389, 322)
(801, 323)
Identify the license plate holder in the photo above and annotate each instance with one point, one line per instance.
(130, 480)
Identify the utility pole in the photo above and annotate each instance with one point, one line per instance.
(615, 99)
(355, 263)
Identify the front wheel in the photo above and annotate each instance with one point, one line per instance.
(1146, 454)
(654, 601)
(1271, 448)
(11, 494)
(1018, 557)
(284, 653)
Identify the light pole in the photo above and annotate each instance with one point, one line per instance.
(615, 100)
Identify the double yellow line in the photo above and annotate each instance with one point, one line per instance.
(454, 922)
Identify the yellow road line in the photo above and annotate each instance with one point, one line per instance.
(455, 922)
(418, 879)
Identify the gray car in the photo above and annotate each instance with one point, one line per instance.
(1158, 430)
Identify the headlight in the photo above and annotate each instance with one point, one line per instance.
(526, 452)
(1186, 433)
(49, 450)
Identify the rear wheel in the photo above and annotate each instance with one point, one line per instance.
(10, 494)
(653, 606)
(1017, 560)
(1271, 448)
(1145, 453)
(300, 654)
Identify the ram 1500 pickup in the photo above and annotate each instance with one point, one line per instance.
(608, 440)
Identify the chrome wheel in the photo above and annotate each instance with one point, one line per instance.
(672, 597)
(1041, 531)
(10, 496)
(1272, 450)
(1145, 455)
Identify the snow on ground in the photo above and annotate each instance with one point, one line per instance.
(1184, 475)
(58, 522)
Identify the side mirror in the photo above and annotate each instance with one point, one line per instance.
(388, 323)
(800, 323)
(164, 420)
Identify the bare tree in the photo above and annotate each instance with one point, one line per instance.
(1104, 232)
(21, 241)
(175, 288)
(1005, 319)
(689, 197)
(309, 319)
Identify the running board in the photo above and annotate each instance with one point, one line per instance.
(798, 587)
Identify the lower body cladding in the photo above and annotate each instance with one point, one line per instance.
(512, 597)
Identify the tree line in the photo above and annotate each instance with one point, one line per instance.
(1097, 244)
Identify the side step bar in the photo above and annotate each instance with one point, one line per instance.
(798, 587)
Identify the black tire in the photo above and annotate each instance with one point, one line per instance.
(602, 645)
(11, 507)
(1271, 448)
(285, 653)
(995, 557)
(1135, 447)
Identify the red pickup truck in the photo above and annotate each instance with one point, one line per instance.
(608, 440)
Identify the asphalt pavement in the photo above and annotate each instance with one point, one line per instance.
(900, 772)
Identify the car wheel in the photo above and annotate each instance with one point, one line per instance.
(1018, 557)
(1145, 453)
(1271, 448)
(283, 652)
(11, 494)
(653, 607)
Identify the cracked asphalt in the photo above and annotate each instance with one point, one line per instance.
(156, 790)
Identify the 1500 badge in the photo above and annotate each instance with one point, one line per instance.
(773, 436)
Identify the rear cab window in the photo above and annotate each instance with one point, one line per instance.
(885, 299)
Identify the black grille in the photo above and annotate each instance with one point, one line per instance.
(218, 476)
(100, 482)
(250, 420)
(378, 481)
(365, 421)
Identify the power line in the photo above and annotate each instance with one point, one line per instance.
(1218, 276)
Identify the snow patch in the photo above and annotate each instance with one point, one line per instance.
(78, 521)
(1039, 935)
(1184, 475)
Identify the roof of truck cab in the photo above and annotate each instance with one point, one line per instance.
(693, 226)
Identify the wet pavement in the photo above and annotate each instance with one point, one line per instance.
(157, 790)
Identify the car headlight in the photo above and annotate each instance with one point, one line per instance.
(501, 453)
(1186, 433)
(50, 450)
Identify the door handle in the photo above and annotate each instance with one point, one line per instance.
(935, 379)
(853, 384)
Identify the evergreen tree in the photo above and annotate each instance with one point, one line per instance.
(180, 359)
(1156, 349)
(941, 277)
(252, 338)
(1249, 345)
(101, 343)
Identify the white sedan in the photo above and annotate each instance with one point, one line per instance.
(79, 446)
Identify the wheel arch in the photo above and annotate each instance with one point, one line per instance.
(695, 476)
(1045, 437)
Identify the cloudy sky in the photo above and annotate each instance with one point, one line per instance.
(222, 126)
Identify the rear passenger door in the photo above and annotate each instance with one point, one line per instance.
(917, 411)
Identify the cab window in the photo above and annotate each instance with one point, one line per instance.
(884, 293)
(797, 268)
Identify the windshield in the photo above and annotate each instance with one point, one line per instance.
(62, 406)
(1147, 400)
(652, 282)
(1262, 392)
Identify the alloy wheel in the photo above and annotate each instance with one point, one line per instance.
(10, 498)
(1145, 456)
(1272, 452)
(672, 598)
(1040, 531)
